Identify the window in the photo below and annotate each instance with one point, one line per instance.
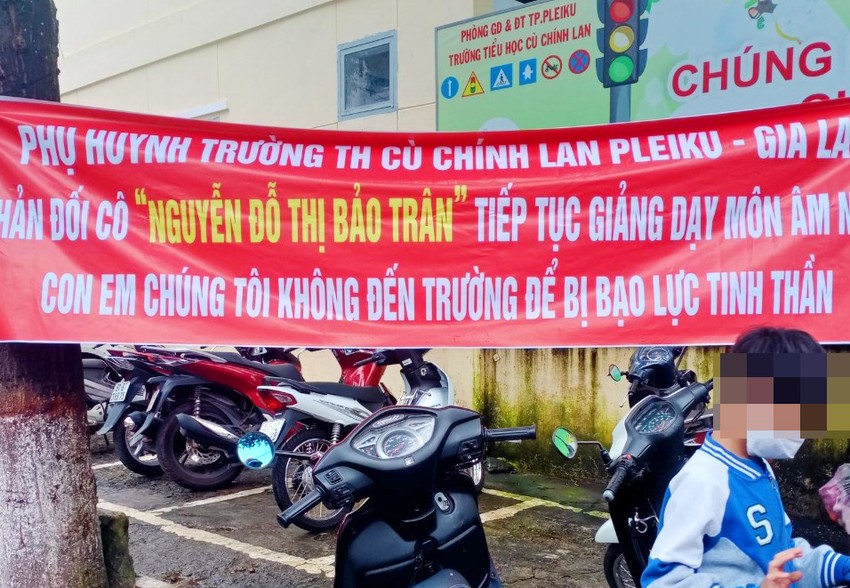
(367, 76)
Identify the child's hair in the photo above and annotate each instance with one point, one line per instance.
(775, 340)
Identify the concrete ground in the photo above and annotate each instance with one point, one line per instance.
(540, 531)
(230, 538)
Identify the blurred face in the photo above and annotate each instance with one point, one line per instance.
(776, 395)
(739, 421)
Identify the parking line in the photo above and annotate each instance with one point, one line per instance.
(511, 510)
(101, 466)
(213, 500)
(543, 502)
(252, 551)
(318, 565)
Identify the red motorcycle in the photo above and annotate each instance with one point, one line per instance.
(221, 389)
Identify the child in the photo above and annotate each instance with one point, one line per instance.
(722, 523)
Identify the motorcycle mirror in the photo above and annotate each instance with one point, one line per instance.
(255, 451)
(615, 373)
(565, 442)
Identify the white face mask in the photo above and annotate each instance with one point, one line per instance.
(771, 448)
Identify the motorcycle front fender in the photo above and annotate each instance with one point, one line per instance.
(606, 533)
(114, 413)
(290, 418)
(148, 429)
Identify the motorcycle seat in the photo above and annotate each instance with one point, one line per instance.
(282, 370)
(366, 394)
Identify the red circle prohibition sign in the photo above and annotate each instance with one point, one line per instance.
(551, 67)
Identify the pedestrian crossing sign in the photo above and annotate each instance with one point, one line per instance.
(473, 87)
(501, 77)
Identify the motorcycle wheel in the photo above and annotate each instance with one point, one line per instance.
(145, 464)
(292, 479)
(198, 469)
(616, 569)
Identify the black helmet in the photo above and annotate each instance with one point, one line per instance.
(654, 366)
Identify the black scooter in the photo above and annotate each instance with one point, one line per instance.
(654, 451)
(420, 527)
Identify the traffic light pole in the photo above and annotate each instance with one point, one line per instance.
(621, 100)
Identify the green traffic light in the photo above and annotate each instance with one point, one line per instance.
(621, 69)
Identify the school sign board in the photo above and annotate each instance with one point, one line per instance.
(535, 67)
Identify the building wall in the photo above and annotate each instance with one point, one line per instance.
(262, 62)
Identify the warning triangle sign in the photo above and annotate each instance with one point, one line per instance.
(473, 87)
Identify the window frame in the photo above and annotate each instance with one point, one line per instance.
(388, 38)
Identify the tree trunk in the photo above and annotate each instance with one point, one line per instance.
(50, 533)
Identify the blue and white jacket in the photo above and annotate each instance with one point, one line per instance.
(721, 524)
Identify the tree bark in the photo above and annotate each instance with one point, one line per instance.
(50, 532)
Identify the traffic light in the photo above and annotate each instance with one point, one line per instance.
(619, 39)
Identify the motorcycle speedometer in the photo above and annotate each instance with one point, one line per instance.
(656, 418)
(395, 437)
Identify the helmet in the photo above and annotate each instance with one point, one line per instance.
(654, 367)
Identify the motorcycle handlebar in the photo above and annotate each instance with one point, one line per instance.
(299, 508)
(621, 473)
(511, 434)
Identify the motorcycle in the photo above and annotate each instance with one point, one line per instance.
(221, 392)
(420, 526)
(121, 381)
(114, 388)
(220, 387)
(320, 414)
(101, 373)
(651, 444)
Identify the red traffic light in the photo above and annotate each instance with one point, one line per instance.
(621, 10)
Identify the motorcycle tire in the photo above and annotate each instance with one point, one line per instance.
(292, 479)
(616, 569)
(134, 463)
(173, 454)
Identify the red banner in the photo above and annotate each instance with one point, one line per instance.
(131, 228)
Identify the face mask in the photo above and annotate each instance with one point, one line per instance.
(770, 448)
